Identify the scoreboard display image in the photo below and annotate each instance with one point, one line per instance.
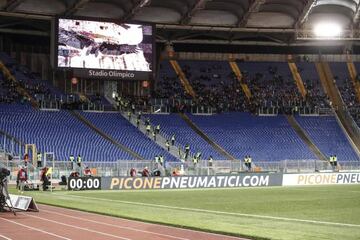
(102, 45)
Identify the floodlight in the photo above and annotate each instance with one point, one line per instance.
(327, 30)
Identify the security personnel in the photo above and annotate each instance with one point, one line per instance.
(195, 160)
(79, 160)
(147, 122)
(161, 159)
(246, 162)
(173, 140)
(187, 151)
(71, 159)
(157, 128)
(198, 156)
(129, 115)
(210, 161)
(133, 108)
(148, 129)
(139, 115)
(39, 159)
(167, 145)
(154, 135)
(331, 160)
(137, 122)
(335, 161)
(157, 159)
(249, 159)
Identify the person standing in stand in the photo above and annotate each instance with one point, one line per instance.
(249, 162)
(148, 129)
(39, 159)
(167, 145)
(210, 161)
(157, 129)
(72, 159)
(187, 151)
(173, 140)
(161, 160)
(133, 108)
(154, 135)
(79, 160)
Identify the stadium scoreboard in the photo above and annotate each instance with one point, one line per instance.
(105, 49)
(84, 183)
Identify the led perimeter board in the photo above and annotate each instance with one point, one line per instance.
(105, 49)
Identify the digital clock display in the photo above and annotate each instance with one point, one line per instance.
(84, 183)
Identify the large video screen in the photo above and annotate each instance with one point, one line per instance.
(100, 45)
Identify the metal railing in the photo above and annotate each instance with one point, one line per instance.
(204, 167)
(10, 145)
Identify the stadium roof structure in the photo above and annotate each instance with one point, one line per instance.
(272, 22)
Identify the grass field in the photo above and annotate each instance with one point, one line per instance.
(324, 212)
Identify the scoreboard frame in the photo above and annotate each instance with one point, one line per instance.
(99, 73)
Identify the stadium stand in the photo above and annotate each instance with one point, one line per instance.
(122, 131)
(173, 124)
(264, 138)
(346, 88)
(58, 132)
(8, 93)
(45, 93)
(168, 84)
(271, 84)
(315, 92)
(328, 136)
(215, 85)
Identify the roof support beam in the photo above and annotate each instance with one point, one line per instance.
(199, 4)
(253, 8)
(24, 32)
(135, 9)
(305, 13)
(224, 29)
(254, 43)
(12, 4)
(25, 15)
(74, 7)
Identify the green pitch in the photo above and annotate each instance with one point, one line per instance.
(326, 212)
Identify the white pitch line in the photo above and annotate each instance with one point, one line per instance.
(152, 224)
(218, 212)
(6, 238)
(36, 229)
(81, 228)
(116, 226)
